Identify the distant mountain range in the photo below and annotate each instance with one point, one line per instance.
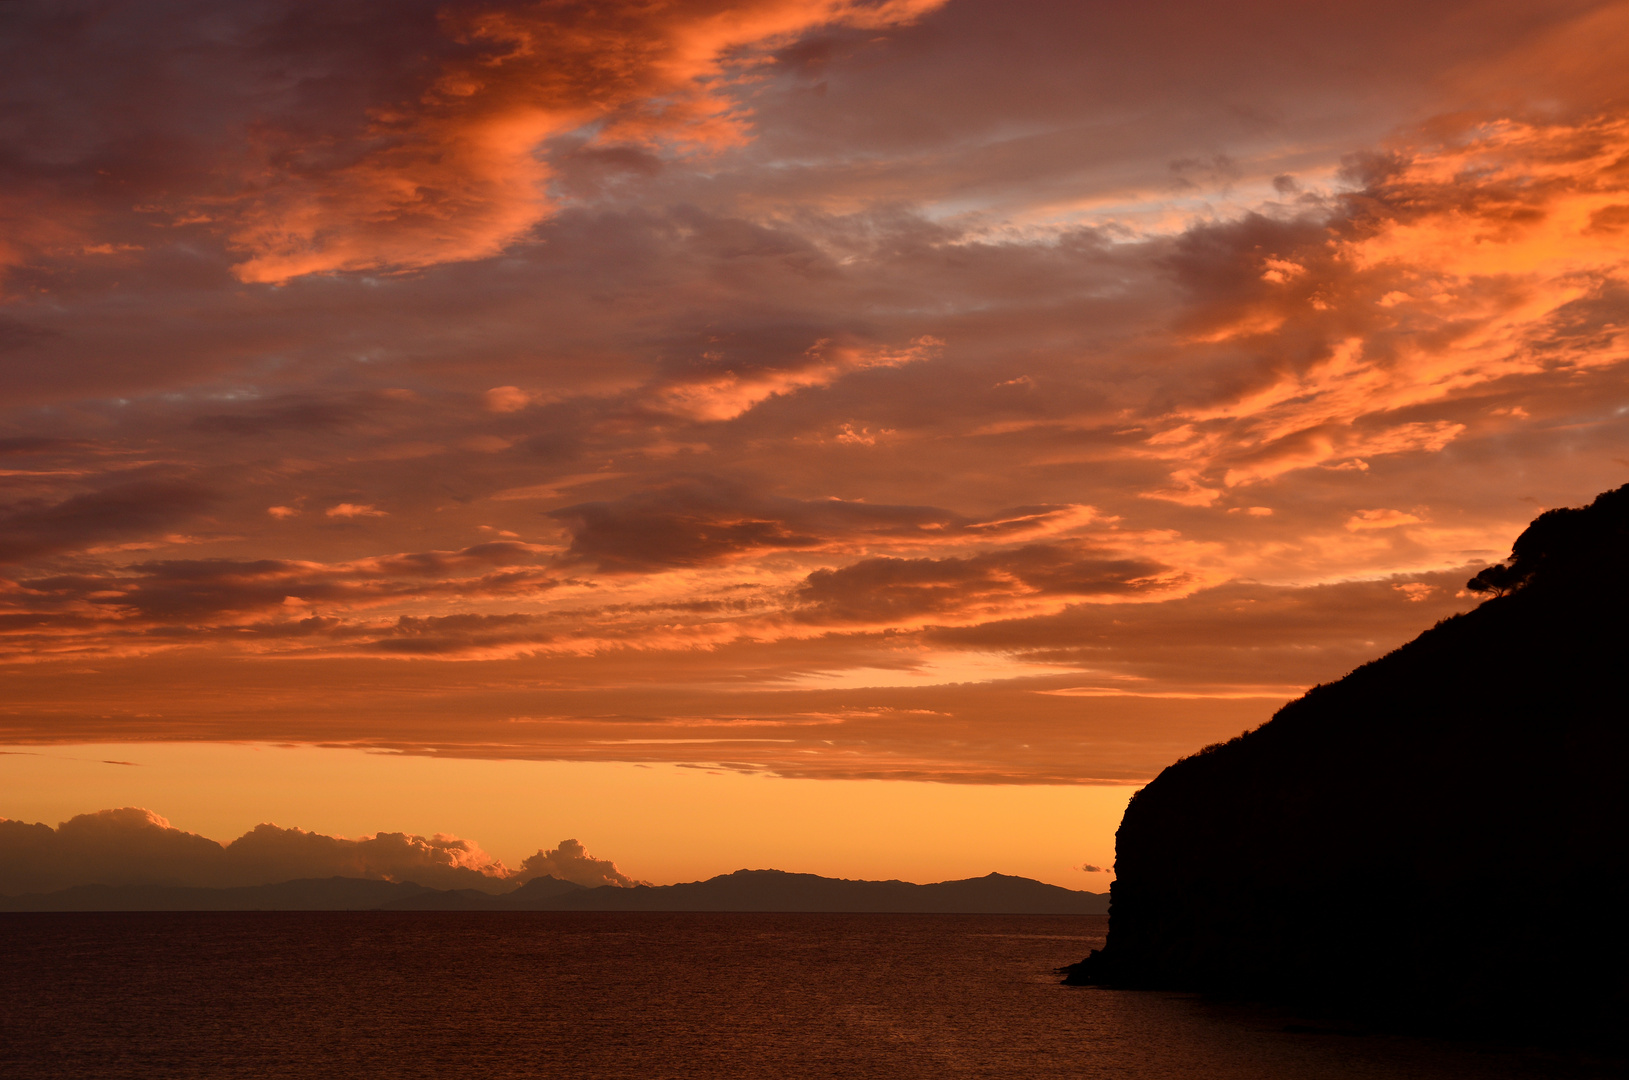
(744, 890)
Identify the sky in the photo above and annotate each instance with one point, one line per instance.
(866, 437)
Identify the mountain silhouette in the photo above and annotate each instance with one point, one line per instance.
(1370, 847)
(776, 890)
(306, 894)
(744, 890)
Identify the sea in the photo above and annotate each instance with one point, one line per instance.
(590, 995)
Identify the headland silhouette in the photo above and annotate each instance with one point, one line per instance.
(1359, 850)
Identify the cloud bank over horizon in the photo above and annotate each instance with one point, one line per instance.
(134, 846)
(912, 389)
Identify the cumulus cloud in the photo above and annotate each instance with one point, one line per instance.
(440, 861)
(127, 846)
(570, 861)
(132, 846)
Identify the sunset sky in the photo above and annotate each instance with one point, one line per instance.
(866, 437)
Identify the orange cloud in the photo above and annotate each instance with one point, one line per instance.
(714, 394)
(1141, 680)
(1380, 519)
(506, 399)
(1460, 262)
(351, 510)
(458, 171)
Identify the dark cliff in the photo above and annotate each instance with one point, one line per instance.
(1359, 849)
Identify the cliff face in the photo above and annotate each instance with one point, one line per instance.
(1358, 849)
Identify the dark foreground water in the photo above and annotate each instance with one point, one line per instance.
(592, 995)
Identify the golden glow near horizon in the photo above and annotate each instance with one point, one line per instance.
(911, 407)
(661, 823)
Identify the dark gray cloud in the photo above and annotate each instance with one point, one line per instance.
(16, 335)
(291, 413)
(35, 444)
(31, 528)
(694, 520)
(224, 591)
(884, 591)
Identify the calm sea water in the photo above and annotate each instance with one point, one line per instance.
(591, 995)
